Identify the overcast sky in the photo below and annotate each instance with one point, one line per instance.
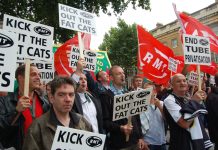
(161, 11)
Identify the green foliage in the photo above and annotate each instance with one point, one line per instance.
(122, 45)
(46, 11)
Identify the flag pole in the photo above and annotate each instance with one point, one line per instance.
(178, 17)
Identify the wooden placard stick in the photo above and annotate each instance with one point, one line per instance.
(129, 123)
(199, 77)
(26, 85)
(81, 45)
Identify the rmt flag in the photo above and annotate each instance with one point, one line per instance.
(153, 57)
(194, 27)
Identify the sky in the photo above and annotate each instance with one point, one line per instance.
(161, 12)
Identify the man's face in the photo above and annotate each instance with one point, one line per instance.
(118, 76)
(103, 76)
(179, 83)
(34, 82)
(82, 84)
(63, 99)
(137, 83)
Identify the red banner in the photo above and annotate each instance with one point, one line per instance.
(194, 27)
(62, 55)
(153, 57)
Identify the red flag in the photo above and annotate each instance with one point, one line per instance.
(204, 68)
(153, 57)
(194, 27)
(61, 56)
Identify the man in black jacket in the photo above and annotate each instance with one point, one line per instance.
(118, 130)
(212, 108)
(88, 106)
(18, 111)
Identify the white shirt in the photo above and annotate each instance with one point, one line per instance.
(173, 108)
(89, 112)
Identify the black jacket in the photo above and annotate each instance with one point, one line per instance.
(77, 107)
(12, 136)
(117, 138)
(212, 108)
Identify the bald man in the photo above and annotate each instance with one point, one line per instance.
(180, 138)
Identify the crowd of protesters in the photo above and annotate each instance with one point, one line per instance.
(80, 102)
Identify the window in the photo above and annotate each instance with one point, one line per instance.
(174, 43)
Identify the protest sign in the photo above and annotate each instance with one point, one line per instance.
(46, 69)
(73, 139)
(8, 56)
(34, 40)
(132, 103)
(172, 64)
(89, 56)
(212, 80)
(193, 78)
(196, 50)
(76, 19)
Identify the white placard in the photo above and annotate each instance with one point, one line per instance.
(89, 56)
(8, 57)
(73, 139)
(76, 19)
(46, 69)
(196, 50)
(193, 78)
(172, 64)
(34, 40)
(212, 80)
(131, 103)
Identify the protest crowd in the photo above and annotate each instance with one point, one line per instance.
(177, 111)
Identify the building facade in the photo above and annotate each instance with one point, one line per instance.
(169, 34)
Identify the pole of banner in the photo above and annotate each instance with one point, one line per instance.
(171, 73)
(129, 123)
(199, 77)
(81, 45)
(26, 86)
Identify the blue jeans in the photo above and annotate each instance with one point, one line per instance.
(157, 147)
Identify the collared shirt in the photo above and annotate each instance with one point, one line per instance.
(89, 112)
(155, 121)
(116, 91)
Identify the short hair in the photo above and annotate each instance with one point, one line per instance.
(112, 69)
(98, 76)
(21, 70)
(136, 77)
(58, 81)
(149, 83)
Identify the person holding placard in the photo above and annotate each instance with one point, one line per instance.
(17, 111)
(182, 135)
(118, 130)
(41, 133)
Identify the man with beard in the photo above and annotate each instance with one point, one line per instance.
(18, 111)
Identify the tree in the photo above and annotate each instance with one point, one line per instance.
(122, 45)
(46, 11)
